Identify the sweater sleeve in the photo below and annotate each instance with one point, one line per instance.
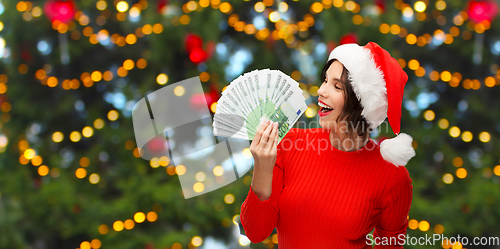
(259, 218)
(390, 231)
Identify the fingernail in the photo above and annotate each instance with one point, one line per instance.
(268, 121)
(276, 124)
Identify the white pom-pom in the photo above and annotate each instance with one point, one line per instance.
(398, 150)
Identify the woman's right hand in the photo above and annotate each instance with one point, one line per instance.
(263, 146)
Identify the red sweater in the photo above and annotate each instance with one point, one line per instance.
(326, 198)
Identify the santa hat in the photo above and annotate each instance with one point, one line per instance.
(378, 82)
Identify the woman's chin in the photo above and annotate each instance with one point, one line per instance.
(327, 123)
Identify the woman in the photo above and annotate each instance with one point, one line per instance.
(330, 187)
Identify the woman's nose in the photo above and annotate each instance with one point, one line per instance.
(321, 91)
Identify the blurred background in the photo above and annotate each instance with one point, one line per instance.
(71, 71)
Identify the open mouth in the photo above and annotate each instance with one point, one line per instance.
(324, 108)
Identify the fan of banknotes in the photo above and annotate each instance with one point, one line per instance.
(254, 97)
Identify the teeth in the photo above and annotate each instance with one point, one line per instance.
(323, 105)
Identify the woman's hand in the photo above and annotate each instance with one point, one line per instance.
(263, 147)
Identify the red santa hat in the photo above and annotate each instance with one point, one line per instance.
(378, 82)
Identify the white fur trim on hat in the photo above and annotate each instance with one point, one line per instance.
(367, 81)
(398, 150)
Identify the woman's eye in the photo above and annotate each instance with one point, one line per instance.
(336, 86)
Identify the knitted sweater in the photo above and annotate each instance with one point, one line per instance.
(323, 197)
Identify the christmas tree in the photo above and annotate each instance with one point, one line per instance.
(71, 175)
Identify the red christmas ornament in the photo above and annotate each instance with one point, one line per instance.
(60, 10)
(192, 42)
(200, 101)
(210, 48)
(381, 5)
(194, 45)
(331, 45)
(25, 55)
(156, 145)
(482, 10)
(198, 55)
(270, 43)
(210, 99)
(212, 96)
(160, 5)
(214, 91)
(349, 38)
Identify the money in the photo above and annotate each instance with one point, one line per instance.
(254, 97)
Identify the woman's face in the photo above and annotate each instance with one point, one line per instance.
(331, 94)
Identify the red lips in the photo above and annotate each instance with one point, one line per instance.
(320, 113)
(323, 103)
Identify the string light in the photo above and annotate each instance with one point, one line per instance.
(122, 6)
(152, 216)
(315, 8)
(113, 115)
(484, 137)
(43, 170)
(29, 154)
(87, 131)
(229, 198)
(103, 229)
(461, 173)
(420, 7)
(196, 241)
(94, 178)
(423, 225)
(118, 225)
(454, 131)
(75, 136)
(162, 79)
(448, 178)
(98, 123)
(413, 224)
(57, 137)
(458, 20)
(36, 160)
(87, 79)
(95, 244)
(453, 79)
(81, 173)
(139, 217)
(467, 136)
(429, 115)
(129, 224)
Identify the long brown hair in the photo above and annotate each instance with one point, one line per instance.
(357, 124)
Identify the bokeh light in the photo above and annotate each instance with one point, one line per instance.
(112, 116)
(139, 217)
